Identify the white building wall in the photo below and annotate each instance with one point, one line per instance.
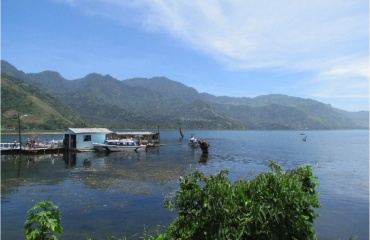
(81, 145)
(97, 135)
(88, 145)
(98, 138)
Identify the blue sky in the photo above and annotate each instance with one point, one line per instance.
(316, 49)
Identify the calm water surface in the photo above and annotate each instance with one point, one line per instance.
(122, 194)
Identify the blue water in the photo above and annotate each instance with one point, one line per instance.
(122, 194)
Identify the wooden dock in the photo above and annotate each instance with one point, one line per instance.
(36, 150)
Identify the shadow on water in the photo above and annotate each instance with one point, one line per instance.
(203, 158)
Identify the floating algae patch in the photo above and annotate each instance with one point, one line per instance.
(128, 184)
(149, 171)
(85, 202)
(89, 181)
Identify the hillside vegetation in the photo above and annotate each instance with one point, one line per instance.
(141, 103)
(42, 110)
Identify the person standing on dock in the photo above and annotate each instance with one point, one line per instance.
(15, 143)
(28, 143)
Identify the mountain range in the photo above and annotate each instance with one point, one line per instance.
(141, 103)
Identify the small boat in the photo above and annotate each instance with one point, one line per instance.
(193, 142)
(151, 139)
(121, 145)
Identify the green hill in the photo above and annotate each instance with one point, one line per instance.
(142, 103)
(43, 111)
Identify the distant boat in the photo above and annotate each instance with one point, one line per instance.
(302, 134)
(193, 142)
(119, 146)
(305, 138)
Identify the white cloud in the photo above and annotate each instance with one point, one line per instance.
(325, 37)
(343, 78)
(328, 38)
(252, 34)
(351, 66)
(247, 34)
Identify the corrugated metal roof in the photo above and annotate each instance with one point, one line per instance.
(90, 130)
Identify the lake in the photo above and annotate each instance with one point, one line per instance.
(122, 194)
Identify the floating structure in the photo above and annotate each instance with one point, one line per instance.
(6, 148)
(9, 146)
(81, 139)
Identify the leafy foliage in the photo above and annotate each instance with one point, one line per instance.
(277, 205)
(43, 221)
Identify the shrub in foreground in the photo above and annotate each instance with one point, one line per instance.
(43, 221)
(276, 205)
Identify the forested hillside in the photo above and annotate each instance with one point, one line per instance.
(141, 103)
(43, 111)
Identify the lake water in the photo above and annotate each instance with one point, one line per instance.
(122, 194)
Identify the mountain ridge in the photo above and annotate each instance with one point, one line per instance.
(102, 100)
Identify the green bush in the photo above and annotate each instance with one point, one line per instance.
(277, 205)
(43, 221)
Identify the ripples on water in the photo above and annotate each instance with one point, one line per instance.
(122, 194)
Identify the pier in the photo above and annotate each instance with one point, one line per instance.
(10, 148)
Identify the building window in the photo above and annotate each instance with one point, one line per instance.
(87, 138)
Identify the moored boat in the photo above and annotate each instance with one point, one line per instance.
(119, 146)
(151, 139)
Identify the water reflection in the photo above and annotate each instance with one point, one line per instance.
(93, 169)
(90, 188)
(203, 158)
(101, 194)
